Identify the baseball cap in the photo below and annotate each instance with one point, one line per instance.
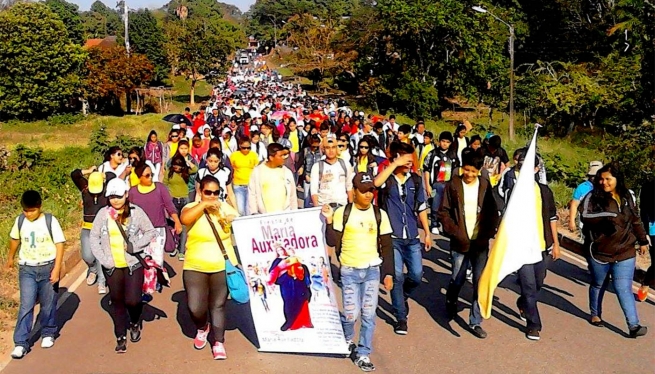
(363, 182)
(594, 166)
(116, 187)
(96, 180)
(331, 138)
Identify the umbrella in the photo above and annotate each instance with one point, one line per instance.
(177, 119)
(318, 118)
(281, 113)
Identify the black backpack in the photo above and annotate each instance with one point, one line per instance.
(48, 222)
(378, 218)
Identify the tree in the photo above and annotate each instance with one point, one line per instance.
(101, 21)
(147, 37)
(111, 72)
(315, 48)
(69, 14)
(39, 66)
(199, 46)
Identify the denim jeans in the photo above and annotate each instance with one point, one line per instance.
(531, 279)
(307, 195)
(241, 194)
(89, 259)
(622, 274)
(438, 189)
(34, 284)
(360, 294)
(179, 205)
(477, 258)
(406, 252)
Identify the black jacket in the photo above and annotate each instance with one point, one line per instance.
(610, 230)
(91, 203)
(451, 216)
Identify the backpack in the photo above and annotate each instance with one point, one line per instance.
(48, 222)
(378, 218)
(383, 193)
(322, 162)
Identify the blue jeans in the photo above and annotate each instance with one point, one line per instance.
(622, 274)
(179, 203)
(34, 284)
(360, 294)
(438, 189)
(406, 252)
(307, 195)
(241, 194)
(477, 258)
(89, 259)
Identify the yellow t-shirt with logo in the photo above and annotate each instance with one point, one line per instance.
(117, 244)
(274, 188)
(243, 166)
(203, 253)
(359, 243)
(36, 245)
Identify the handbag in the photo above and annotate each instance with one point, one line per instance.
(235, 277)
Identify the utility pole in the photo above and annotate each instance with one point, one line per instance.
(125, 20)
(511, 83)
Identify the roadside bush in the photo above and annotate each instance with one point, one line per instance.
(65, 119)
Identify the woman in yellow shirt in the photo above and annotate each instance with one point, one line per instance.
(243, 162)
(204, 266)
(364, 159)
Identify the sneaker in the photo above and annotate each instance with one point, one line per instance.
(469, 275)
(200, 340)
(102, 289)
(91, 279)
(173, 254)
(532, 334)
(364, 363)
(351, 346)
(180, 256)
(522, 315)
(400, 328)
(638, 331)
(435, 231)
(135, 332)
(479, 332)
(121, 345)
(18, 352)
(218, 350)
(47, 342)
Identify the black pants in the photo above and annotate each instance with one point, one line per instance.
(207, 294)
(125, 294)
(649, 279)
(531, 279)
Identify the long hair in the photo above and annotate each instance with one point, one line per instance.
(150, 135)
(111, 151)
(179, 144)
(369, 156)
(599, 196)
(122, 218)
(179, 160)
(216, 152)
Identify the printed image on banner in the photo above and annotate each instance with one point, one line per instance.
(292, 297)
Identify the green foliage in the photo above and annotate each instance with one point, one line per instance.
(568, 172)
(65, 119)
(147, 37)
(101, 21)
(634, 150)
(99, 141)
(127, 142)
(30, 87)
(417, 99)
(25, 158)
(69, 14)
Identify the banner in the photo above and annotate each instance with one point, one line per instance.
(292, 297)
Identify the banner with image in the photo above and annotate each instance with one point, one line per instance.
(292, 297)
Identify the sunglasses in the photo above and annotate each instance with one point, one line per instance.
(342, 146)
(244, 148)
(363, 147)
(174, 136)
(148, 176)
(119, 155)
(210, 192)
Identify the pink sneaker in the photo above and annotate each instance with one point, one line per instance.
(218, 350)
(200, 340)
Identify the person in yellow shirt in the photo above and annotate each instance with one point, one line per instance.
(361, 235)
(243, 162)
(428, 136)
(204, 266)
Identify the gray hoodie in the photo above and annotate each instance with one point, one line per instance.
(140, 233)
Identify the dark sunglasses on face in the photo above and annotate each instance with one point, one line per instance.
(363, 147)
(119, 155)
(148, 176)
(174, 136)
(210, 192)
(244, 148)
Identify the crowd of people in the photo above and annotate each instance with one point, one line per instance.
(263, 146)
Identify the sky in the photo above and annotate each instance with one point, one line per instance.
(244, 5)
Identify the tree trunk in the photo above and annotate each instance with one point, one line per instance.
(192, 94)
(128, 102)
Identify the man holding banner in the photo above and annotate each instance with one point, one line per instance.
(525, 240)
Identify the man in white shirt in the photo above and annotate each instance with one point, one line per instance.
(331, 178)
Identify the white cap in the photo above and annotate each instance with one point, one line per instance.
(254, 128)
(176, 127)
(227, 130)
(116, 187)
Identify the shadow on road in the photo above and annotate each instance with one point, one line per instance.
(238, 317)
(64, 314)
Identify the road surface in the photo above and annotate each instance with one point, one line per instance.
(568, 343)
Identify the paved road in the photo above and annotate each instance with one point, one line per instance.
(568, 344)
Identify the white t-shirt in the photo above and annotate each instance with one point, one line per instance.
(333, 186)
(223, 175)
(36, 243)
(471, 206)
(106, 168)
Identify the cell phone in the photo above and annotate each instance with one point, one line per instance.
(334, 206)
